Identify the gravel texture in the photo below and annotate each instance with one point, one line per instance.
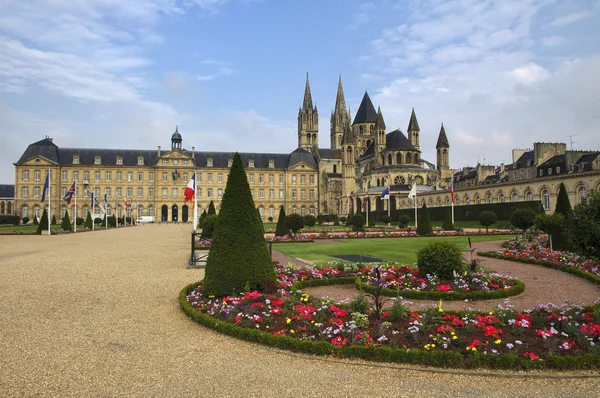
(96, 315)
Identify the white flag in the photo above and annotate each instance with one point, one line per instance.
(413, 192)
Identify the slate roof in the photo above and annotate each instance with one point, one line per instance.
(366, 111)
(525, 159)
(370, 151)
(413, 124)
(7, 191)
(554, 160)
(396, 140)
(87, 156)
(334, 175)
(588, 158)
(326, 153)
(442, 141)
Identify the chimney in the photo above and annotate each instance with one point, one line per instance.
(158, 151)
(194, 155)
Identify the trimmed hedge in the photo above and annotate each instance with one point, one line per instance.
(436, 358)
(574, 271)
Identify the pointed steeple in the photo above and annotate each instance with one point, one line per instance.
(379, 123)
(413, 124)
(442, 141)
(348, 138)
(307, 104)
(366, 111)
(340, 101)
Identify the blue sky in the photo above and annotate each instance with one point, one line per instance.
(121, 74)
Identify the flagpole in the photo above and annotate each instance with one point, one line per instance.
(452, 212)
(49, 200)
(75, 204)
(416, 220)
(195, 202)
(367, 208)
(93, 207)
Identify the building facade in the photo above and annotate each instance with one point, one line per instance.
(7, 200)
(362, 162)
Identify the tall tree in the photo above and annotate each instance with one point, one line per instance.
(563, 204)
(281, 229)
(560, 238)
(238, 258)
(424, 227)
(66, 223)
(447, 224)
(43, 225)
(211, 209)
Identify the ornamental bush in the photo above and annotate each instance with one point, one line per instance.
(43, 225)
(487, 218)
(211, 209)
(66, 223)
(440, 259)
(404, 219)
(523, 218)
(386, 219)
(238, 258)
(310, 220)
(356, 221)
(88, 221)
(201, 220)
(281, 229)
(584, 226)
(447, 224)
(424, 222)
(53, 220)
(208, 226)
(295, 222)
(35, 220)
(560, 237)
(25, 220)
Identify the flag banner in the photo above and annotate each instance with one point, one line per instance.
(452, 189)
(93, 200)
(190, 190)
(99, 205)
(46, 186)
(413, 192)
(69, 195)
(386, 193)
(176, 175)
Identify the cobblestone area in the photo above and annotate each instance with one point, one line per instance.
(96, 315)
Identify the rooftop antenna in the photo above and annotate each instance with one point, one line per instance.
(571, 142)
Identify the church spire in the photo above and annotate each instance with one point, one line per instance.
(442, 141)
(307, 104)
(339, 118)
(413, 130)
(340, 101)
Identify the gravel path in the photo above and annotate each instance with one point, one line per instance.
(96, 315)
(542, 286)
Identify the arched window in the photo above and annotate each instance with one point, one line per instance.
(582, 194)
(529, 195)
(335, 168)
(467, 200)
(408, 158)
(501, 198)
(9, 208)
(416, 158)
(515, 197)
(447, 201)
(24, 211)
(477, 200)
(390, 159)
(546, 199)
(378, 182)
(294, 210)
(312, 211)
(151, 211)
(398, 158)
(36, 212)
(488, 198)
(2, 207)
(303, 211)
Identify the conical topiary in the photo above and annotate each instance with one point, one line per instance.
(66, 223)
(53, 220)
(447, 224)
(43, 225)
(238, 258)
(88, 221)
(560, 239)
(424, 228)
(202, 217)
(281, 229)
(211, 209)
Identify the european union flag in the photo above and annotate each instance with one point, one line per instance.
(46, 186)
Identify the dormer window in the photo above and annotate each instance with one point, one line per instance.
(75, 159)
(251, 163)
(271, 164)
(165, 161)
(549, 171)
(557, 169)
(140, 161)
(97, 160)
(119, 160)
(209, 162)
(229, 162)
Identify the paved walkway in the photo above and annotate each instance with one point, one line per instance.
(96, 315)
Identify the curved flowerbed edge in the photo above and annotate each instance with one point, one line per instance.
(561, 267)
(517, 289)
(448, 359)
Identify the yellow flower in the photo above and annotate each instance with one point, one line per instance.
(266, 327)
(498, 341)
(288, 320)
(454, 337)
(292, 331)
(490, 313)
(440, 306)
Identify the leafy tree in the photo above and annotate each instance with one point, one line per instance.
(79, 220)
(424, 228)
(238, 258)
(66, 223)
(211, 208)
(487, 218)
(584, 226)
(447, 223)
(43, 225)
(281, 229)
(54, 220)
(523, 218)
(208, 226)
(202, 217)
(89, 221)
(440, 259)
(295, 222)
(356, 221)
(270, 219)
(310, 220)
(25, 220)
(404, 219)
(551, 224)
(386, 219)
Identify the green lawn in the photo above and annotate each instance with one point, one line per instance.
(24, 228)
(402, 250)
(435, 224)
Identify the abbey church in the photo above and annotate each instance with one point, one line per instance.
(364, 169)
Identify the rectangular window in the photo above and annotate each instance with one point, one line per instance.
(303, 194)
(229, 162)
(165, 192)
(209, 162)
(185, 162)
(271, 179)
(65, 175)
(529, 173)
(209, 178)
(75, 159)
(185, 177)
(209, 193)
(37, 175)
(261, 178)
(251, 163)
(150, 192)
(271, 194)
(312, 180)
(541, 172)
(129, 192)
(129, 176)
(199, 193)
(140, 161)
(165, 177)
(97, 160)
(25, 192)
(36, 192)
(140, 192)
(86, 176)
(281, 179)
(312, 194)
(302, 180)
(281, 194)
(119, 193)
(261, 193)
(119, 176)
(75, 176)
(251, 179)
(165, 161)
(151, 176)
(557, 169)
(220, 193)
(220, 177)
(119, 160)
(198, 178)
(294, 179)
(107, 192)
(271, 164)
(294, 194)
(108, 174)
(174, 192)
(549, 171)
(25, 175)
(140, 177)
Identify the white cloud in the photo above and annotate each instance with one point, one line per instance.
(529, 74)
(568, 19)
(553, 40)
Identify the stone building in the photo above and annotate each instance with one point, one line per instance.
(7, 199)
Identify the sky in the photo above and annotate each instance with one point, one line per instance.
(230, 74)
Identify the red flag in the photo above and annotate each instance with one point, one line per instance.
(452, 189)
(190, 189)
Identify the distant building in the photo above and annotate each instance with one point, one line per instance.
(7, 200)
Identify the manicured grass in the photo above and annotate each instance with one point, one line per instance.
(402, 250)
(24, 228)
(341, 227)
(436, 224)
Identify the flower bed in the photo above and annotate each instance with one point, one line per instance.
(534, 251)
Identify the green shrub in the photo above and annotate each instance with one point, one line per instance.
(424, 223)
(356, 221)
(201, 218)
(281, 229)
(343, 219)
(584, 226)
(208, 226)
(270, 219)
(310, 220)
(43, 225)
(88, 221)
(35, 221)
(238, 258)
(523, 218)
(404, 220)
(66, 223)
(53, 220)
(295, 222)
(79, 220)
(386, 219)
(25, 220)
(398, 312)
(441, 259)
(487, 218)
(372, 221)
(447, 224)
(211, 209)
(360, 303)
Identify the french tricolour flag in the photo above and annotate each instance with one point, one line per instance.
(189, 192)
